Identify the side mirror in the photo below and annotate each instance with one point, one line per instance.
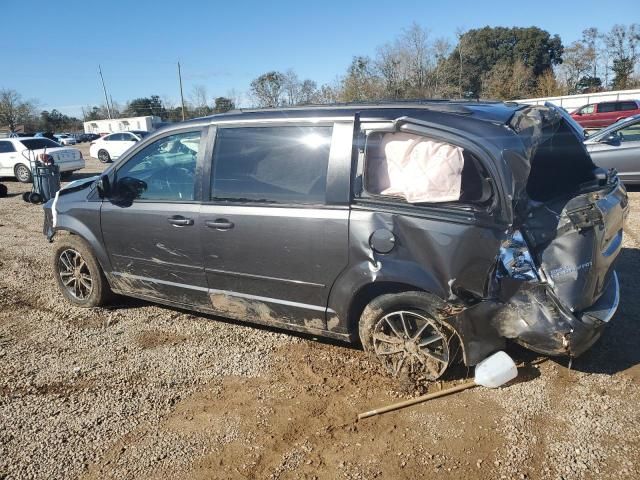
(104, 186)
(578, 113)
(611, 139)
(131, 188)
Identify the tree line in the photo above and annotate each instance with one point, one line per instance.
(492, 63)
(502, 63)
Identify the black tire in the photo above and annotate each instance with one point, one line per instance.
(104, 156)
(66, 175)
(35, 198)
(393, 327)
(22, 173)
(80, 280)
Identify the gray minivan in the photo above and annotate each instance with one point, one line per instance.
(419, 229)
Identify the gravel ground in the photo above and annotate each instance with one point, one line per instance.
(142, 391)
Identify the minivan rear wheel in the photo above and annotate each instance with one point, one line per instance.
(78, 273)
(406, 333)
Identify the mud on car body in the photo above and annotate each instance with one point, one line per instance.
(420, 229)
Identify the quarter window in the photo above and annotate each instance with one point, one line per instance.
(167, 167)
(271, 164)
(628, 106)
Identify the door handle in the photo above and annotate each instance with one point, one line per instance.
(219, 224)
(180, 221)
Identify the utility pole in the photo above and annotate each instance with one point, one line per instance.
(106, 100)
(181, 94)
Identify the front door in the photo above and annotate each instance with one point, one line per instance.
(151, 239)
(273, 243)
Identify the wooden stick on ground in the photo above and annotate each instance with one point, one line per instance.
(413, 401)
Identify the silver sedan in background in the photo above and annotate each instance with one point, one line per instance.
(618, 146)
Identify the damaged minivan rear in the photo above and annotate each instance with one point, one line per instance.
(429, 232)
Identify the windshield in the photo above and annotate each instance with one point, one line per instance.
(39, 143)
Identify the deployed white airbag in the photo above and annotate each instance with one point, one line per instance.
(417, 168)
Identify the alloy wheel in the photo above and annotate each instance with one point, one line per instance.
(412, 342)
(74, 273)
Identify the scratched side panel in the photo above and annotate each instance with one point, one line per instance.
(151, 257)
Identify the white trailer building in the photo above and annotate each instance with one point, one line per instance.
(573, 102)
(103, 127)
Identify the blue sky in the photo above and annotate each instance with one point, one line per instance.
(51, 52)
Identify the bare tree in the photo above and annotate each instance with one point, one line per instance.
(623, 43)
(268, 89)
(199, 99)
(442, 49)
(14, 110)
(576, 63)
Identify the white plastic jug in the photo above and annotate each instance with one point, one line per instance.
(495, 370)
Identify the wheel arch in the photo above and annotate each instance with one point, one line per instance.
(73, 227)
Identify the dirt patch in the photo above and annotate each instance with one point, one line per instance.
(155, 339)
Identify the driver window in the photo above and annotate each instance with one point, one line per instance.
(588, 109)
(630, 134)
(166, 167)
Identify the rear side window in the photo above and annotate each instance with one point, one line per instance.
(628, 106)
(606, 107)
(271, 164)
(39, 143)
(418, 169)
(6, 147)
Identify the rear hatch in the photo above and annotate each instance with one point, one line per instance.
(576, 241)
(574, 214)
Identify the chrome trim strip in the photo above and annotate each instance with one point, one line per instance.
(264, 277)
(272, 300)
(226, 292)
(162, 282)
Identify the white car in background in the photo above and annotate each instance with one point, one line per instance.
(18, 154)
(65, 139)
(111, 146)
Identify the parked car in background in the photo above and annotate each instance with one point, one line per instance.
(90, 137)
(65, 139)
(422, 229)
(618, 146)
(113, 145)
(600, 115)
(17, 154)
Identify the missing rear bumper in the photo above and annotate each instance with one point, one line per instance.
(536, 319)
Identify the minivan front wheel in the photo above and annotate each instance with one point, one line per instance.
(406, 334)
(78, 273)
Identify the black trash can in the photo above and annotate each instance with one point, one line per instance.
(46, 181)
